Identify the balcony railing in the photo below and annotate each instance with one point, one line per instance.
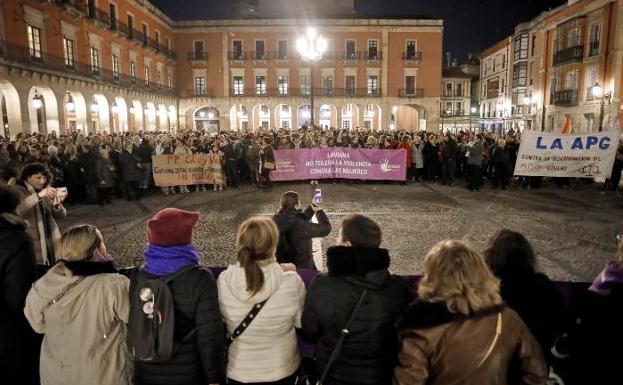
(412, 55)
(454, 94)
(26, 56)
(593, 48)
(236, 55)
(355, 55)
(568, 55)
(411, 92)
(200, 93)
(297, 92)
(277, 56)
(99, 16)
(453, 114)
(77, 6)
(259, 55)
(565, 98)
(197, 55)
(492, 94)
(373, 55)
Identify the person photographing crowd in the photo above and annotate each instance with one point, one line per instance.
(40, 205)
(296, 230)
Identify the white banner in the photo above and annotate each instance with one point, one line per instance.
(567, 155)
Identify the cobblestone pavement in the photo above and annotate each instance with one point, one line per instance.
(573, 230)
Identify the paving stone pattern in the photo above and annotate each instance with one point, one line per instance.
(572, 230)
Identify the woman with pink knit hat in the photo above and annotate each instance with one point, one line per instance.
(197, 356)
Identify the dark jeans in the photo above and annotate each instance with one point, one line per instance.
(131, 190)
(291, 380)
(232, 174)
(91, 190)
(449, 171)
(266, 177)
(501, 175)
(474, 176)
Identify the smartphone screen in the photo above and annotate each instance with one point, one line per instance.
(61, 192)
(317, 198)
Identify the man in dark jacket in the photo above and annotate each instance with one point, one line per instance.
(18, 343)
(449, 160)
(144, 152)
(368, 355)
(296, 231)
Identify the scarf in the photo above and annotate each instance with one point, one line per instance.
(89, 268)
(611, 275)
(161, 261)
(49, 233)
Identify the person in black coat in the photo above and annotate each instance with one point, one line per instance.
(296, 231)
(369, 353)
(19, 356)
(501, 164)
(431, 158)
(131, 171)
(530, 293)
(450, 150)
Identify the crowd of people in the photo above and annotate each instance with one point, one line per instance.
(95, 168)
(473, 318)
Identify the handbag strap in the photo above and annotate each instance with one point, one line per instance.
(244, 324)
(60, 295)
(498, 332)
(343, 333)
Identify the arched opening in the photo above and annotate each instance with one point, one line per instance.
(42, 110)
(303, 115)
(172, 119)
(100, 114)
(261, 117)
(350, 116)
(75, 109)
(208, 119)
(328, 116)
(150, 117)
(11, 110)
(163, 118)
(239, 118)
(283, 112)
(136, 116)
(372, 117)
(119, 111)
(409, 117)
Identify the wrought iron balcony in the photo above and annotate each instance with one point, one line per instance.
(355, 55)
(411, 93)
(197, 55)
(236, 55)
(298, 92)
(378, 55)
(259, 55)
(568, 55)
(412, 56)
(565, 98)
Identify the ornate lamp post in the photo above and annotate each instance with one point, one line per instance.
(598, 93)
(311, 47)
(473, 110)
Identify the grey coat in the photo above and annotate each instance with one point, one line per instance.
(105, 173)
(475, 154)
(418, 155)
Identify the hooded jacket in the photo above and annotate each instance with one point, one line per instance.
(296, 229)
(439, 347)
(267, 350)
(369, 353)
(84, 331)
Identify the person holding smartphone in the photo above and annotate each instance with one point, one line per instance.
(296, 230)
(40, 206)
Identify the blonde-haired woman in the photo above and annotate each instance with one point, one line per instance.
(266, 351)
(81, 306)
(460, 332)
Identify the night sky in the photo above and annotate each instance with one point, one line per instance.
(470, 25)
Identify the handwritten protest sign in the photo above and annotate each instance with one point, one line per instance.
(567, 155)
(338, 162)
(184, 170)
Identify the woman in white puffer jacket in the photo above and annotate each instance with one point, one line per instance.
(267, 351)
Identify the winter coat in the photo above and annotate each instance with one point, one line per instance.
(439, 347)
(539, 304)
(369, 353)
(597, 336)
(105, 173)
(73, 172)
(17, 273)
(267, 350)
(407, 148)
(84, 331)
(501, 156)
(475, 154)
(199, 359)
(129, 167)
(297, 230)
(144, 152)
(267, 155)
(418, 155)
(450, 151)
(32, 209)
(88, 162)
(431, 154)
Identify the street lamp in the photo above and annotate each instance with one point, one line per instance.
(471, 118)
(94, 106)
(36, 101)
(71, 106)
(311, 47)
(598, 93)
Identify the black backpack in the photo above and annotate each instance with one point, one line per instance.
(151, 323)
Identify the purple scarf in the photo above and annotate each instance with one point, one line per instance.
(161, 261)
(611, 274)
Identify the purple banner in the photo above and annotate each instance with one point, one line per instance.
(341, 163)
